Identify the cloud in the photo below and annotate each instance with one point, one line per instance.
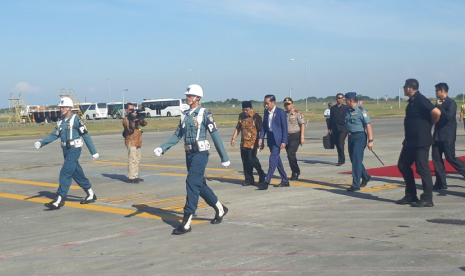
(25, 87)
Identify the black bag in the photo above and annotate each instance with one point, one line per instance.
(327, 142)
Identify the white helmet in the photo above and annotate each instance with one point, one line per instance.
(194, 89)
(66, 102)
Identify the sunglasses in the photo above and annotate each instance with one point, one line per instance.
(132, 110)
(340, 98)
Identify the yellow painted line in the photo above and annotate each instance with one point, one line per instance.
(46, 184)
(160, 166)
(112, 197)
(94, 207)
(161, 201)
(132, 198)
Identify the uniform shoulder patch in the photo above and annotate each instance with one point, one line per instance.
(361, 107)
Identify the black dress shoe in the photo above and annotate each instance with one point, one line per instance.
(439, 187)
(407, 200)
(422, 203)
(248, 184)
(135, 181)
(340, 163)
(365, 181)
(140, 179)
(181, 230)
(352, 189)
(295, 176)
(262, 178)
(282, 184)
(55, 204)
(263, 186)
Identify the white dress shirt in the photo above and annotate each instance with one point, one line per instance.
(270, 117)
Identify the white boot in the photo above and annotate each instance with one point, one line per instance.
(221, 211)
(91, 197)
(56, 204)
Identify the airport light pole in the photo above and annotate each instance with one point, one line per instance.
(124, 111)
(290, 92)
(192, 70)
(109, 91)
(306, 83)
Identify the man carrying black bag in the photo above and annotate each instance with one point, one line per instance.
(338, 128)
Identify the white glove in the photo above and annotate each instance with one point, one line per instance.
(225, 164)
(96, 156)
(158, 152)
(37, 145)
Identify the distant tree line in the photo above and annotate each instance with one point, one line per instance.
(311, 100)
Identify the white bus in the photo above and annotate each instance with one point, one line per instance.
(115, 110)
(92, 111)
(164, 107)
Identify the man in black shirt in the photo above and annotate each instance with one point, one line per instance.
(444, 137)
(420, 116)
(338, 128)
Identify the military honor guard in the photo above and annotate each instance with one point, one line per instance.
(193, 126)
(73, 134)
(249, 125)
(296, 135)
(359, 129)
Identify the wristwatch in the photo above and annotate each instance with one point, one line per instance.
(371, 140)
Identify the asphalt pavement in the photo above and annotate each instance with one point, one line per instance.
(313, 227)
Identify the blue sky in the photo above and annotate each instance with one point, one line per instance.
(240, 49)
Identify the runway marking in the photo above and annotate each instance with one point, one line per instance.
(131, 198)
(46, 184)
(106, 198)
(306, 184)
(160, 201)
(106, 209)
(160, 166)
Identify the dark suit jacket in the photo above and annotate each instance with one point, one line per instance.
(337, 118)
(446, 128)
(279, 127)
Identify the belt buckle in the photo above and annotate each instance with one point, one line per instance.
(187, 147)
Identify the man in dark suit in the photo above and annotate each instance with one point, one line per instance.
(338, 128)
(444, 135)
(275, 128)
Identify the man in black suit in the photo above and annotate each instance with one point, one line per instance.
(444, 135)
(338, 128)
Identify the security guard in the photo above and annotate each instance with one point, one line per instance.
(194, 125)
(358, 127)
(72, 133)
(296, 135)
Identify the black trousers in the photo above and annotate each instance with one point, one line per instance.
(291, 149)
(339, 138)
(419, 155)
(448, 149)
(249, 162)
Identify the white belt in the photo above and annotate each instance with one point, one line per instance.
(77, 143)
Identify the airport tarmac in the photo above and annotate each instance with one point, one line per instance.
(313, 227)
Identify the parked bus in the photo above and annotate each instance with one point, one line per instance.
(164, 107)
(92, 111)
(115, 110)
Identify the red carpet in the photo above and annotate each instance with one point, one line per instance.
(393, 171)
